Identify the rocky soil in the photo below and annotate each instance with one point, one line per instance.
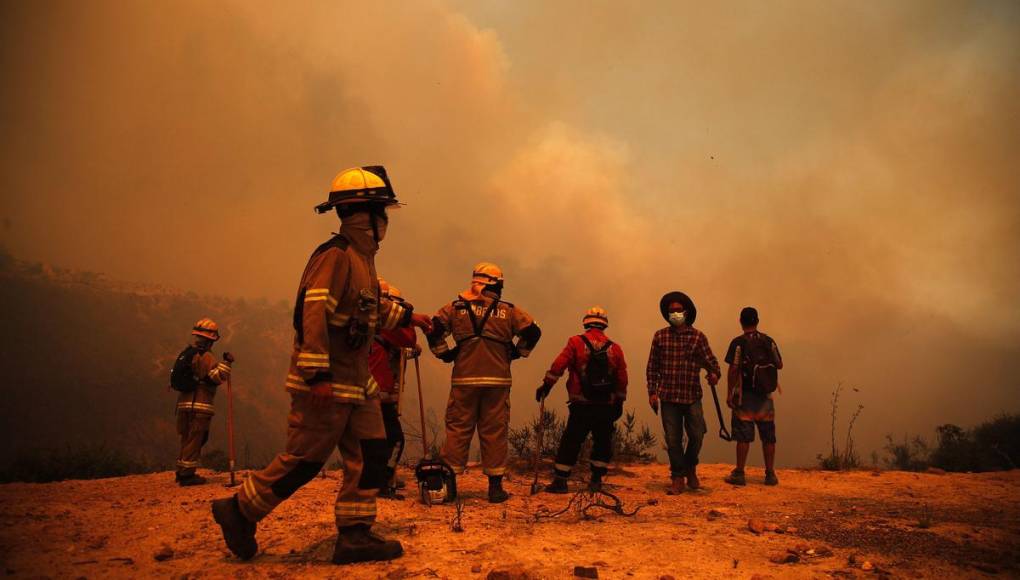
(815, 524)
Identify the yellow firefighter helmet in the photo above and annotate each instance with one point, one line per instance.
(206, 328)
(596, 315)
(487, 273)
(360, 185)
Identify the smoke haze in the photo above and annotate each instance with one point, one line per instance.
(850, 170)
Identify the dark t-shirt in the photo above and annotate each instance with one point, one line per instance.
(740, 343)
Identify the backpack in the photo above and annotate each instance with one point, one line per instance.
(182, 375)
(598, 380)
(759, 365)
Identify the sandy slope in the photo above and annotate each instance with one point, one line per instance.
(115, 527)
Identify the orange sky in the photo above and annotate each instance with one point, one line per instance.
(849, 169)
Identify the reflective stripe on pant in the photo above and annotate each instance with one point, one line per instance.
(488, 409)
(596, 419)
(193, 429)
(312, 433)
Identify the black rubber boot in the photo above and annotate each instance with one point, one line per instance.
(188, 480)
(736, 477)
(595, 485)
(558, 485)
(358, 544)
(496, 492)
(770, 478)
(238, 532)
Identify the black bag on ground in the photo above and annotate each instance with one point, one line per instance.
(182, 375)
(598, 381)
(759, 364)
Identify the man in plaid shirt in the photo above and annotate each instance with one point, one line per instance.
(678, 354)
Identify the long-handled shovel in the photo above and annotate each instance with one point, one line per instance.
(723, 433)
(535, 486)
(230, 432)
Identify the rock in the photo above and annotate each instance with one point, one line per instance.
(714, 514)
(586, 572)
(936, 471)
(770, 527)
(165, 553)
(514, 573)
(867, 566)
(476, 569)
(787, 557)
(755, 525)
(666, 577)
(791, 530)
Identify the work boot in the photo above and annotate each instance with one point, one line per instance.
(736, 477)
(677, 485)
(188, 480)
(389, 493)
(770, 477)
(238, 532)
(496, 492)
(692, 478)
(595, 485)
(558, 485)
(358, 544)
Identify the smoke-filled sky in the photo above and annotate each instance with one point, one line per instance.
(850, 169)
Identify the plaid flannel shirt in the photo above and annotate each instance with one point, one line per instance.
(674, 364)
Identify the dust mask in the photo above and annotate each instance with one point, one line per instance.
(677, 318)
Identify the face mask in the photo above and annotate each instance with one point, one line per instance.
(676, 318)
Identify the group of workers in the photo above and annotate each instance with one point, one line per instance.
(353, 332)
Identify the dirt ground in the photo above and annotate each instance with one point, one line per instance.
(815, 524)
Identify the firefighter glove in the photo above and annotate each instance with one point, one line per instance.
(542, 392)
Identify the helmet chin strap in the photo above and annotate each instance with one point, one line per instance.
(375, 226)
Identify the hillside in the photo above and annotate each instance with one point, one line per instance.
(86, 362)
(855, 524)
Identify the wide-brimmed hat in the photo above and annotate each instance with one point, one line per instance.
(690, 311)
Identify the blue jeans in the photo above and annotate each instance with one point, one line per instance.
(677, 419)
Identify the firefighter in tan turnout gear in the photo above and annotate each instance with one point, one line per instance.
(334, 401)
(483, 328)
(195, 376)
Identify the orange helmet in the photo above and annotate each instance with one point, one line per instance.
(360, 185)
(206, 328)
(596, 315)
(487, 273)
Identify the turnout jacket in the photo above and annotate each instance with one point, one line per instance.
(574, 357)
(483, 339)
(210, 374)
(337, 313)
(384, 359)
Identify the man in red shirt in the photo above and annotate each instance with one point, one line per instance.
(385, 363)
(596, 388)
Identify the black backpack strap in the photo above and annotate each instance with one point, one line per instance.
(592, 348)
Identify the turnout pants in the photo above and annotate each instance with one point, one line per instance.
(193, 428)
(394, 438)
(677, 419)
(488, 410)
(584, 419)
(312, 433)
